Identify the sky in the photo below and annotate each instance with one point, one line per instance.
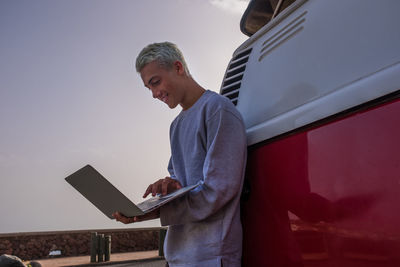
(70, 96)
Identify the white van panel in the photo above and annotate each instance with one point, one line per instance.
(357, 92)
(323, 58)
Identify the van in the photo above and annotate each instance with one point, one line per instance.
(318, 86)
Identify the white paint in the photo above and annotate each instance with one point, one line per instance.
(343, 54)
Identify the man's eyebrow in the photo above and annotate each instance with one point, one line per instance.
(147, 85)
(152, 78)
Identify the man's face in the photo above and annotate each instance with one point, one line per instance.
(163, 83)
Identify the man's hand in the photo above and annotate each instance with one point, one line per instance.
(149, 216)
(163, 187)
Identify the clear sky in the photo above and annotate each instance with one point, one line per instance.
(69, 96)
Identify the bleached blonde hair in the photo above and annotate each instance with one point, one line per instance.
(165, 53)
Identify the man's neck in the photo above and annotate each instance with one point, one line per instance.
(193, 93)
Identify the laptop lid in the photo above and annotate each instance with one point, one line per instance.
(101, 193)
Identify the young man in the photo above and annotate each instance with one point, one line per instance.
(208, 146)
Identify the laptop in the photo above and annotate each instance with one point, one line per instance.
(108, 199)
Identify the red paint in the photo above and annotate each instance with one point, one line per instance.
(342, 182)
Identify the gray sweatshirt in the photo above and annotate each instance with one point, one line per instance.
(208, 146)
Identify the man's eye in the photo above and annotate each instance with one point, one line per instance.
(156, 82)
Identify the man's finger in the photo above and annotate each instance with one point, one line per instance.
(178, 185)
(148, 216)
(154, 189)
(158, 188)
(148, 190)
(175, 185)
(164, 188)
(122, 218)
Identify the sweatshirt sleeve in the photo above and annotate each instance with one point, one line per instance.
(223, 172)
(171, 169)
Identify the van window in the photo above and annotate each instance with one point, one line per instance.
(260, 12)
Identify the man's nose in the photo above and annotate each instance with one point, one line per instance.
(156, 93)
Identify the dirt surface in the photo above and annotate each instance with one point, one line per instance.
(151, 263)
(142, 258)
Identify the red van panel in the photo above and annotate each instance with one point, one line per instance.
(328, 196)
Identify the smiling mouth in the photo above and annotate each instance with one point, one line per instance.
(164, 98)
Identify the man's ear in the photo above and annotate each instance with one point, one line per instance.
(178, 67)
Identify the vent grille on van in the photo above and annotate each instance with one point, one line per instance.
(287, 32)
(233, 76)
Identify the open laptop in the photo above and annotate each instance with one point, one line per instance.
(108, 199)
